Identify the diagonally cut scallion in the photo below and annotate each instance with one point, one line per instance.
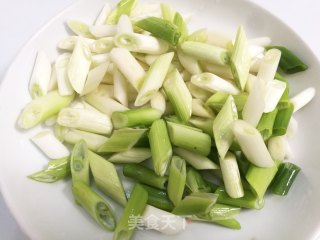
(133, 155)
(79, 163)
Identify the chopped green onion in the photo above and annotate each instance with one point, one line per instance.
(269, 65)
(124, 25)
(135, 117)
(182, 26)
(289, 62)
(95, 205)
(265, 125)
(85, 119)
(196, 160)
(124, 7)
(42, 108)
(106, 30)
(229, 223)
(221, 212)
(231, 176)
(198, 92)
(102, 17)
(205, 124)
(177, 179)
(223, 71)
(199, 109)
(240, 59)
(95, 77)
(200, 35)
(79, 163)
(178, 95)
(79, 28)
(220, 39)
(217, 100)
(222, 126)
(120, 87)
(64, 85)
(106, 178)
(282, 120)
(180, 136)
(133, 210)
(158, 198)
(277, 147)
(154, 78)
(196, 183)
(274, 91)
(205, 52)
(189, 63)
(303, 98)
(102, 45)
(249, 136)
(161, 28)
(249, 200)
(158, 102)
(167, 12)
(284, 179)
(57, 169)
(133, 155)
(122, 140)
(160, 146)
(195, 203)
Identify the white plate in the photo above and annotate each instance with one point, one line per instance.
(47, 211)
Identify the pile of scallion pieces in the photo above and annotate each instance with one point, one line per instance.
(200, 121)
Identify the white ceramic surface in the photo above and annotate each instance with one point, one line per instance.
(48, 212)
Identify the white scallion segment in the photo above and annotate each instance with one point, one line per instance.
(86, 120)
(292, 127)
(158, 101)
(93, 141)
(255, 64)
(260, 41)
(273, 93)
(95, 77)
(255, 104)
(124, 25)
(100, 31)
(102, 45)
(150, 58)
(103, 15)
(252, 144)
(40, 77)
(200, 110)
(213, 83)
(250, 82)
(64, 85)
(79, 66)
(269, 65)
(240, 59)
(196, 160)
(50, 145)
(154, 218)
(128, 66)
(98, 59)
(231, 176)
(178, 95)
(222, 126)
(220, 39)
(198, 92)
(277, 147)
(140, 43)
(104, 90)
(79, 28)
(69, 42)
(120, 86)
(154, 78)
(53, 83)
(255, 51)
(51, 121)
(222, 71)
(303, 98)
(189, 63)
(133, 155)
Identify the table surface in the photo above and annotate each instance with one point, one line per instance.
(18, 25)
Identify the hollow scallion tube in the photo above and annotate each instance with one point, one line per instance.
(135, 117)
(158, 198)
(205, 52)
(144, 175)
(85, 119)
(180, 136)
(217, 100)
(154, 78)
(249, 200)
(122, 140)
(133, 155)
(57, 169)
(42, 108)
(196, 160)
(189, 63)
(222, 126)
(195, 182)
(123, 7)
(131, 213)
(282, 120)
(182, 26)
(289, 62)
(161, 28)
(79, 163)
(177, 179)
(284, 178)
(229, 223)
(195, 203)
(95, 205)
(178, 95)
(265, 125)
(160, 146)
(106, 178)
(260, 178)
(221, 212)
